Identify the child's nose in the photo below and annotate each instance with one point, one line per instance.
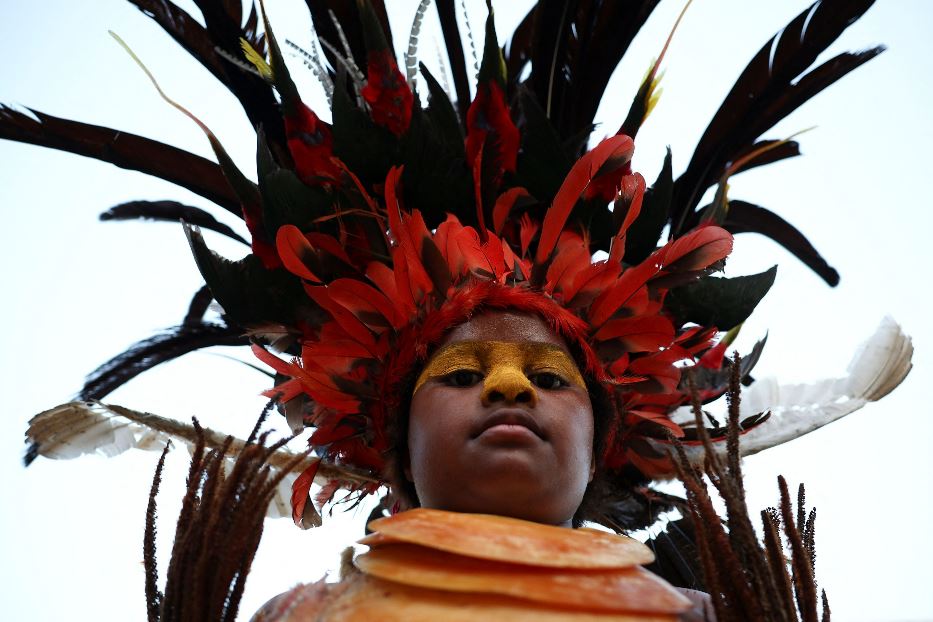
(510, 385)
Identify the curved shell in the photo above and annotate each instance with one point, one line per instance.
(625, 589)
(509, 540)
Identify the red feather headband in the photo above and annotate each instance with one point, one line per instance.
(383, 323)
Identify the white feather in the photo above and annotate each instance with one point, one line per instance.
(879, 365)
(79, 428)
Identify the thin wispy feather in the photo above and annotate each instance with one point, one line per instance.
(353, 71)
(222, 29)
(469, 29)
(257, 60)
(347, 59)
(411, 54)
(450, 30)
(442, 68)
(312, 60)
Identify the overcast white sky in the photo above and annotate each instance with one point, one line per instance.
(79, 291)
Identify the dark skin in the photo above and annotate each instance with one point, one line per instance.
(536, 467)
(538, 476)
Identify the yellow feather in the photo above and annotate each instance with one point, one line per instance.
(257, 60)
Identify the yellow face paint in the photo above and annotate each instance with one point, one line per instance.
(505, 366)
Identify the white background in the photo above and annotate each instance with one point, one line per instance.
(77, 291)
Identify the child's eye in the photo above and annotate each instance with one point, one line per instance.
(547, 380)
(463, 378)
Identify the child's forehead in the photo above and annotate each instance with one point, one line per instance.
(505, 326)
(491, 349)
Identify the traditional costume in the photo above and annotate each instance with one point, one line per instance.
(415, 210)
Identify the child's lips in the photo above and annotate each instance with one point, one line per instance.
(509, 423)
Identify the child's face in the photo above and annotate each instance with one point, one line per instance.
(501, 423)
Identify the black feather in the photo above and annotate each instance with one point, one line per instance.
(447, 12)
(745, 217)
(148, 353)
(577, 45)
(769, 89)
(222, 30)
(170, 211)
(198, 306)
(123, 149)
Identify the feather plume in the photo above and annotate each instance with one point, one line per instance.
(78, 428)
(880, 364)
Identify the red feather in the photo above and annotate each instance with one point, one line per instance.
(418, 281)
(443, 237)
(630, 199)
(504, 205)
(658, 418)
(301, 488)
(696, 250)
(590, 283)
(311, 145)
(384, 278)
(330, 245)
(639, 334)
(489, 123)
(495, 258)
(469, 253)
(659, 366)
(333, 349)
(625, 289)
(527, 228)
(600, 160)
(387, 93)
(270, 359)
(368, 304)
(347, 321)
(477, 166)
(571, 258)
(370, 203)
(295, 251)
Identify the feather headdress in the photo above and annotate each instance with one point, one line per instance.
(376, 233)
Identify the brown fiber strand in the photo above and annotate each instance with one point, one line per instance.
(783, 595)
(803, 578)
(809, 541)
(220, 526)
(738, 597)
(728, 547)
(153, 595)
(748, 578)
